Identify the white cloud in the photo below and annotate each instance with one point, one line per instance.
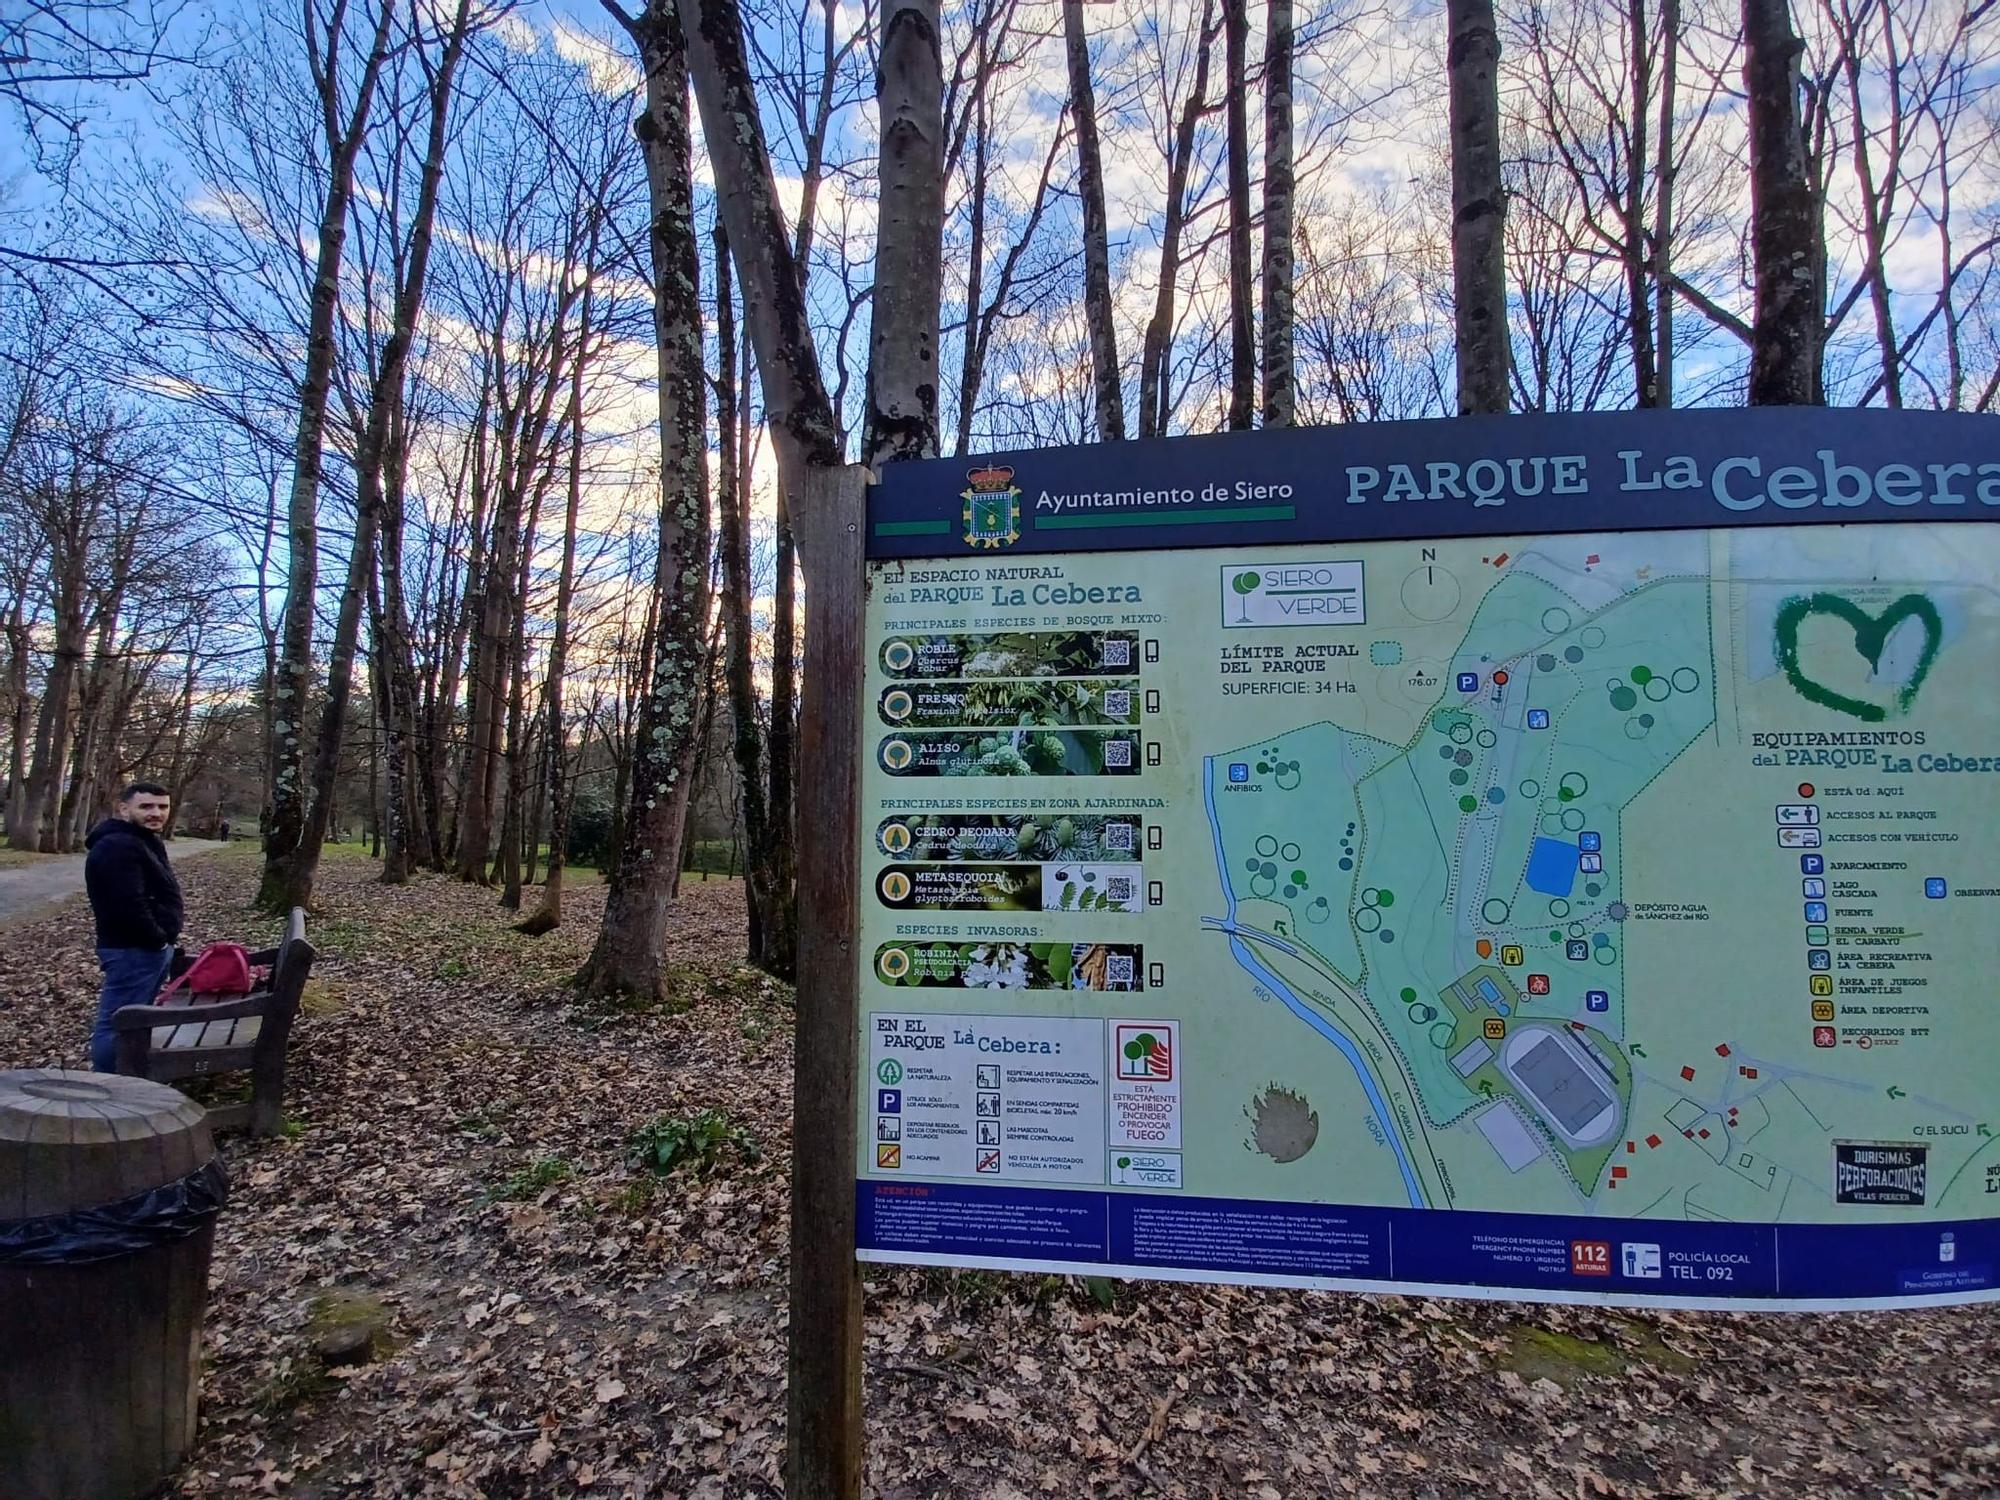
(610, 68)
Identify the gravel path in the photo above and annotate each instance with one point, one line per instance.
(35, 890)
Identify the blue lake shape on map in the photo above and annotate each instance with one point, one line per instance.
(1552, 867)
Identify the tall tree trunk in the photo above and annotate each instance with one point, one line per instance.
(285, 830)
(374, 753)
(1478, 209)
(290, 883)
(1663, 208)
(404, 811)
(486, 666)
(21, 703)
(739, 669)
(902, 340)
(515, 818)
(704, 740)
(1242, 321)
(628, 956)
(92, 708)
(981, 322)
(547, 915)
(77, 788)
(538, 812)
(781, 852)
(519, 730)
(1789, 328)
(1864, 117)
(295, 887)
(457, 617)
(53, 724)
(1155, 399)
(1638, 295)
(972, 351)
(1279, 387)
(1106, 382)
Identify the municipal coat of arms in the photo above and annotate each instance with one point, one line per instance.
(992, 507)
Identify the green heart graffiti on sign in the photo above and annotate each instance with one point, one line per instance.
(1871, 635)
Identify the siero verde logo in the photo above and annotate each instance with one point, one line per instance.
(1292, 593)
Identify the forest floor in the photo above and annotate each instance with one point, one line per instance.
(560, 1319)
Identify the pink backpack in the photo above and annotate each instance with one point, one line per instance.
(220, 969)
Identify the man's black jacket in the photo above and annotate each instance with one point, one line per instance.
(133, 893)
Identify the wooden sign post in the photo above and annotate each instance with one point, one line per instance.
(823, 1420)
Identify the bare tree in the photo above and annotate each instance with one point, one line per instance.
(984, 313)
(344, 122)
(1109, 381)
(377, 448)
(1155, 395)
(627, 957)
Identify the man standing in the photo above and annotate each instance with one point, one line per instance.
(136, 902)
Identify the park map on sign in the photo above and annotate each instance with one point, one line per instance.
(1632, 875)
(1581, 944)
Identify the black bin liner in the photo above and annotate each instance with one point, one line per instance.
(158, 1216)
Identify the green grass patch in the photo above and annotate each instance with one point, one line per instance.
(322, 998)
(697, 1143)
(1546, 1354)
(708, 857)
(532, 1180)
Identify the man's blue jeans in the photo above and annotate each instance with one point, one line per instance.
(131, 977)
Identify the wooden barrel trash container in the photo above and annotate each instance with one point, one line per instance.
(109, 1189)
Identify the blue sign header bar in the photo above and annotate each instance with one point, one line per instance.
(1467, 476)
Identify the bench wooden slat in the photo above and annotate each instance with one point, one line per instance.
(206, 1036)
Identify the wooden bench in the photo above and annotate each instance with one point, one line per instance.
(227, 1036)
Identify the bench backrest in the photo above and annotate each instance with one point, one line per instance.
(289, 973)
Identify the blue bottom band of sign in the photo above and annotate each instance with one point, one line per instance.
(1532, 1256)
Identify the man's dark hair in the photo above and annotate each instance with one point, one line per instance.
(143, 789)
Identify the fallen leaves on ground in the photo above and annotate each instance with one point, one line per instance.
(565, 1322)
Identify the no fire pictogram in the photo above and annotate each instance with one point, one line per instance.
(1145, 1052)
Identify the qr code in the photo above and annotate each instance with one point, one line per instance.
(1118, 970)
(1119, 888)
(1117, 703)
(1118, 836)
(1117, 653)
(1117, 753)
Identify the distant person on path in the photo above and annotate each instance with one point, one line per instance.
(136, 902)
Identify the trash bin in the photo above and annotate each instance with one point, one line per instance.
(109, 1188)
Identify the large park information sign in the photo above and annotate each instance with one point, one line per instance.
(1553, 857)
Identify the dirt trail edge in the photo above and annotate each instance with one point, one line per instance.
(31, 891)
